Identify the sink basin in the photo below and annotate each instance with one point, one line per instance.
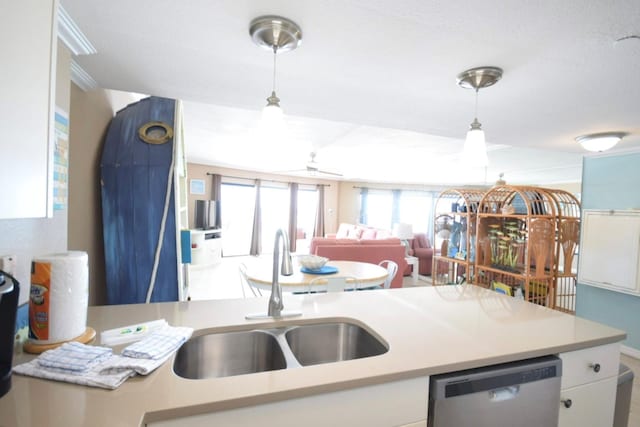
(332, 342)
(246, 352)
(229, 353)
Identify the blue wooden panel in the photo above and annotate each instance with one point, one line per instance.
(134, 178)
(611, 182)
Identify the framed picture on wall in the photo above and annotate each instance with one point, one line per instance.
(196, 186)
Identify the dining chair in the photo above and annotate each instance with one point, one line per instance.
(334, 284)
(244, 281)
(392, 269)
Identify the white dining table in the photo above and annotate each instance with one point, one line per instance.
(365, 274)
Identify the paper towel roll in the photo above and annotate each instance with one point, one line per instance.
(59, 297)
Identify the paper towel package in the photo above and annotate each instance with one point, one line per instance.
(59, 297)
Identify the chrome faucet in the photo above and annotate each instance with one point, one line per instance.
(275, 300)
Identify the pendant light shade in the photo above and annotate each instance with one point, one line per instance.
(475, 147)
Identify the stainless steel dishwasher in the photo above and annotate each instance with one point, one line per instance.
(517, 394)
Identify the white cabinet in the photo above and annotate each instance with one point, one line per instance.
(588, 390)
(588, 405)
(398, 403)
(610, 250)
(27, 84)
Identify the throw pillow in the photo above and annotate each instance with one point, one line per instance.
(354, 233)
(369, 233)
(343, 231)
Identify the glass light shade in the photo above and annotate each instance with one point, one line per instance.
(272, 122)
(475, 148)
(599, 142)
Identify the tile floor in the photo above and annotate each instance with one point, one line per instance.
(222, 281)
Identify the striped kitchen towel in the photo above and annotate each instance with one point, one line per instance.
(93, 377)
(159, 344)
(73, 357)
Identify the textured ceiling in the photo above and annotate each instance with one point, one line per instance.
(372, 87)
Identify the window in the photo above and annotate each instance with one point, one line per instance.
(413, 207)
(236, 209)
(379, 209)
(274, 199)
(307, 208)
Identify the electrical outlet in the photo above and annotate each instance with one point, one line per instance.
(8, 264)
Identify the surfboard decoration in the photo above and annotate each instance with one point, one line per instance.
(138, 204)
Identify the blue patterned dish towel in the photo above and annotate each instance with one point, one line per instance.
(159, 343)
(98, 367)
(73, 357)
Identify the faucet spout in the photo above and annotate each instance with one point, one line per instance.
(275, 300)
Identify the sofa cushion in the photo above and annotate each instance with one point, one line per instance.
(420, 240)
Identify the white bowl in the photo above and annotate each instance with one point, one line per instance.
(312, 262)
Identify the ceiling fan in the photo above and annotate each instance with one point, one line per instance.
(313, 168)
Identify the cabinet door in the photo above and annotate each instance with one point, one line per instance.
(590, 404)
(397, 403)
(27, 73)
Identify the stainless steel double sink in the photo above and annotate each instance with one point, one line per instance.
(244, 352)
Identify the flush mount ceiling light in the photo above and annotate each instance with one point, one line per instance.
(602, 141)
(475, 148)
(279, 35)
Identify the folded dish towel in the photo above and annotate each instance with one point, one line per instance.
(93, 377)
(73, 357)
(107, 370)
(159, 344)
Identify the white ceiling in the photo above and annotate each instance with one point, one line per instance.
(372, 87)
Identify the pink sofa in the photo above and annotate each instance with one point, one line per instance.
(364, 250)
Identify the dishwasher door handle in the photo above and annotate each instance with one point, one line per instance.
(505, 393)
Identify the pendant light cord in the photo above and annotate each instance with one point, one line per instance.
(275, 53)
(476, 110)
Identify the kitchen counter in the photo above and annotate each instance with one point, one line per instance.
(428, 330)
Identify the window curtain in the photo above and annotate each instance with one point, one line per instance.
(318, 228)
(395, 207)
(293, 215)
(364, 192)
(256, 240)
(216, 194)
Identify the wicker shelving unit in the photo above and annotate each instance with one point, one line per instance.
(567, 240)
(516, 242)
(455, 231)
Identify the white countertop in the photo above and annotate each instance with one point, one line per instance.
(429, 330)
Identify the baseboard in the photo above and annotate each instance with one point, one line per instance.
(630, 351)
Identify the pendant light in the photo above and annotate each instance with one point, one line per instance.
(475, 147)
(279, 35)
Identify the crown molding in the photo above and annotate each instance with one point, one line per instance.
(81, 78)
(72, 36)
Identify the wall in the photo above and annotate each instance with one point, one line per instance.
(198, 171)
(611, 182)
(91, 113)
(28, 238)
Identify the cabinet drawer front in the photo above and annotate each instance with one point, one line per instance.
(590, 364)
(591, 404)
